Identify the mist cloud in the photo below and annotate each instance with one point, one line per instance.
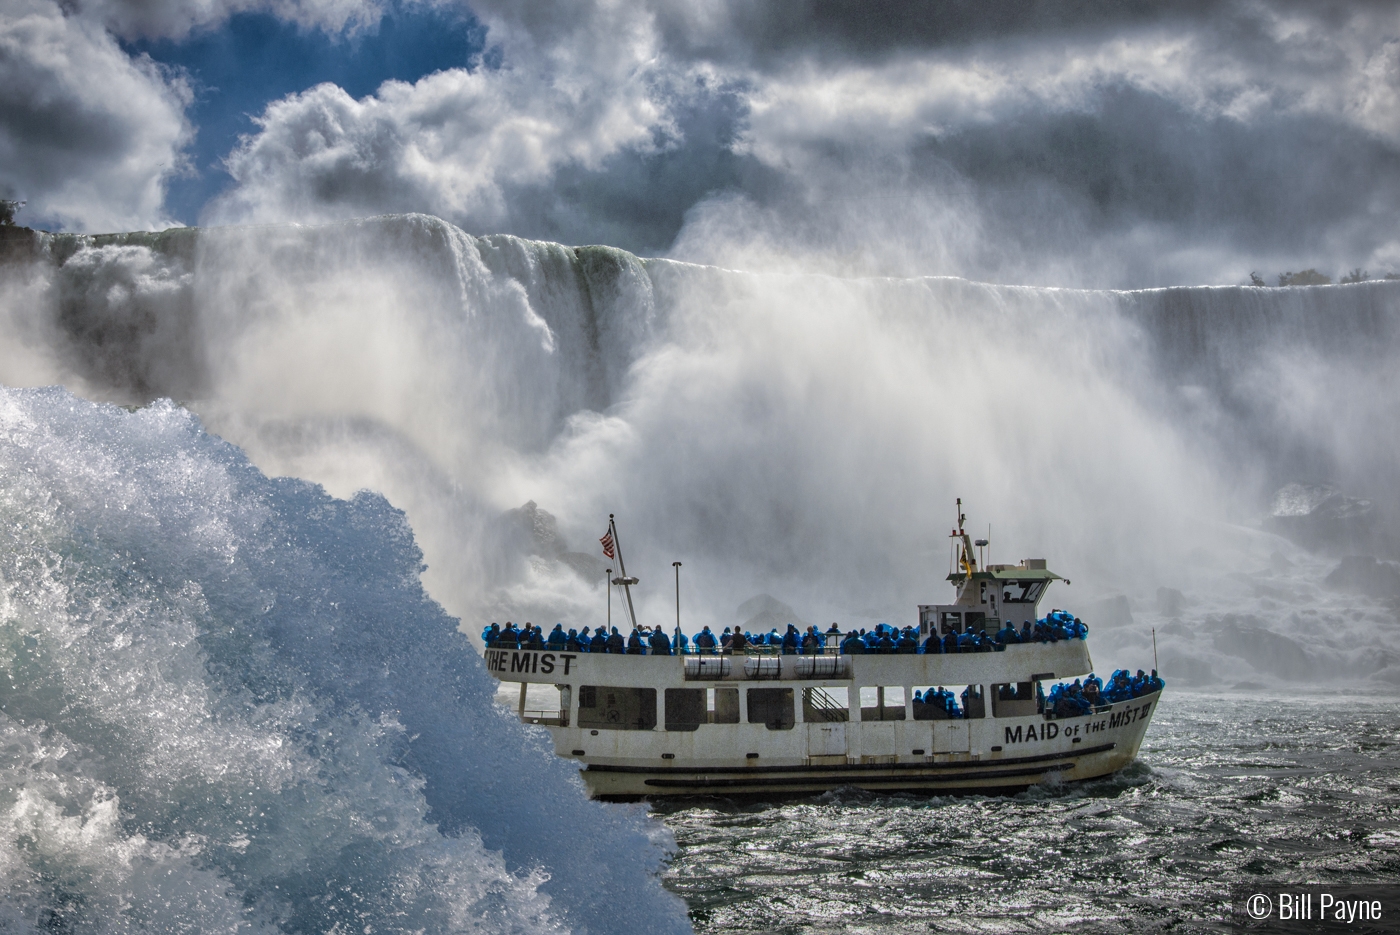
(1089, 144)
(88, 134)
(1141, 145)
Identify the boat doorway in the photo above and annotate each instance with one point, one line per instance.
(826, 739)
(950, 737)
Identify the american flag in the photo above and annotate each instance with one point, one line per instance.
(607, 541)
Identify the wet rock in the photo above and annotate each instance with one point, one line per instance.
(1175, 628)
(765, 612)
(1242, 636)
(585, 566)
(1363, 574)
(1179, 666)
(1319, 516)
(1110, 612)
(529, 530)
(1170, 602)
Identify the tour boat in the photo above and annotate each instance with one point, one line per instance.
(761, 723)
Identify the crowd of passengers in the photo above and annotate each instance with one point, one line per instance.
(1080, 698)
(1076, 699)
(1055, 626)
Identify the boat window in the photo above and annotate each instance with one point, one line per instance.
(1014, 700)
(882, 703)
(952, 623)
(685, 708)
(771, 706)
(950, 702)
(612, 708)
(726, 706)
(1021, 592)
(976, 620)
(975, 704)
(825, 704)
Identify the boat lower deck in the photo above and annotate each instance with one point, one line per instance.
(1000, 775)
(1076, 749)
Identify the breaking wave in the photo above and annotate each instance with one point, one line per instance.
(228, 706)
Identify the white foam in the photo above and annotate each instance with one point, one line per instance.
(228, 705)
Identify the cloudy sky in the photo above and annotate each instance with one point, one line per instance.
(1099, 143)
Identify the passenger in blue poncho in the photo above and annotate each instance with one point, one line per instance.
(852, 645)
(791, 641)
(950, 642)
(705, 642)
(557, 638)
(932, 645)
(574, 643)
(616, 644)
(884, 645)
(660, 645)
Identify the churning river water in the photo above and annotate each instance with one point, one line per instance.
(1227, 789)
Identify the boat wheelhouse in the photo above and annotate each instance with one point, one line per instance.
(757, 722)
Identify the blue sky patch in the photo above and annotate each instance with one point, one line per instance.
(254, 59)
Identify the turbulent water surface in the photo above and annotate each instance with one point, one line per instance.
(1228, 789)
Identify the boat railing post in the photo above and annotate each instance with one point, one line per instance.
(677, 640)
(524, 686)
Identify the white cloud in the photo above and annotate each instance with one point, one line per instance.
(174, 19)
(88, 134)
(454, 142)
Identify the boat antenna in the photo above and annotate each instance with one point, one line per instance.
(622, 579)
(678, 605)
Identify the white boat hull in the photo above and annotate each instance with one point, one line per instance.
(884, 758)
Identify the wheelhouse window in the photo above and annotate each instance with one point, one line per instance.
(1021, 592)
(610, 708)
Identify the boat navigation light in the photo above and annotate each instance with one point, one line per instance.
(980, 543)
(624, 580)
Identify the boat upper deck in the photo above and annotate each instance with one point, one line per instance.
(1023, 662)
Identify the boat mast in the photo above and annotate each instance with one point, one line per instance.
(622, 579)
(968, 559)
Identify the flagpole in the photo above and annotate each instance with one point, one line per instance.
(608, 583)
(622, 565)
(678, 605)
